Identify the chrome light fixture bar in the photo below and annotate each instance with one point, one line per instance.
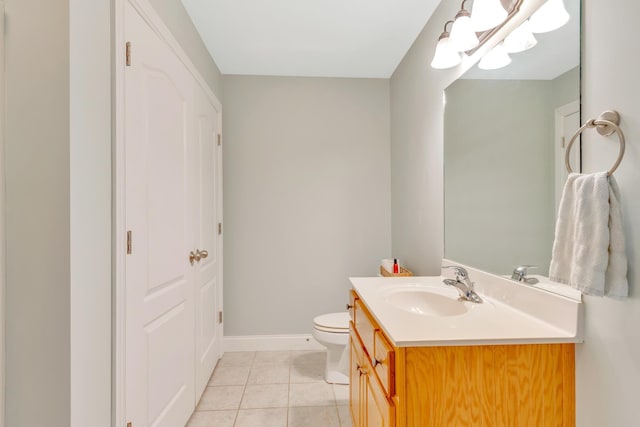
(512, 7)
(465, 35)
(463, 38)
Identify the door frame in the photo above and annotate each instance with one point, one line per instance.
(3, 270)
(154, 21)
(559, 144)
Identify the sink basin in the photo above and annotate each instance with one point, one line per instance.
(416, 311)
(425, 302)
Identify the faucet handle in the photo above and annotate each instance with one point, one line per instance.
(460, 272)
(520, 272)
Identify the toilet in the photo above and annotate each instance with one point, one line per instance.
(332, 331)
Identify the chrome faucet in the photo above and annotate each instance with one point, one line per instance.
(520, 274)
(463, 284)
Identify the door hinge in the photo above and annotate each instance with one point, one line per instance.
(219, 317)
(128, 57)
(219, 228)
(129, 242)
(219, 140)
(563, 142)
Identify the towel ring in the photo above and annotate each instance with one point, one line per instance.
(605, 124)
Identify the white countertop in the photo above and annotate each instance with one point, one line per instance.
(510, 314)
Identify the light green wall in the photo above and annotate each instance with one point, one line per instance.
(564, 88)
(499, 174)
(495, 129)
(607, 369)
(416, 151)
(306, 189)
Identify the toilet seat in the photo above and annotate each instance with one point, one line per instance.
(332, 322)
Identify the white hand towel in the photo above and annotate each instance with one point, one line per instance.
(589, 248)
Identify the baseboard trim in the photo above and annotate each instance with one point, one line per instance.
(271, 343)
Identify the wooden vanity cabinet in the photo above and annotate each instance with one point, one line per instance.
(369, 404)
(372, 380)
(356, 366)
(457, 386)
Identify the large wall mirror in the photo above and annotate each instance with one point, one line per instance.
(505, 132)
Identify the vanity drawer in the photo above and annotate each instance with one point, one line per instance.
(383, 361)
(364, 326)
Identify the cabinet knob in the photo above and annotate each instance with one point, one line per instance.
(349, 306)
(203, 254)
(376, 362)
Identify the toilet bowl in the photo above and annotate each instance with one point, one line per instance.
(332, 331)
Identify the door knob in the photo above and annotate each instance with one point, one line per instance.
(197, 256)
(194, 256)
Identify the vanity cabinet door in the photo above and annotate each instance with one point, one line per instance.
(372, 371)
(356, 372)
(379, 410)
(383, 360)
(368, 401)
(366, 327)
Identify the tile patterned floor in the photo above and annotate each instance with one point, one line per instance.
(272, 388)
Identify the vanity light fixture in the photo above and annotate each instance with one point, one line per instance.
(550, 16)
(445, 56)
(487, 14)
(495, 58)
(520, 39)
(463, 37)
(470, 31)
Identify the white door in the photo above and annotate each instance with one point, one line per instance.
(208, 214)
(2, 220)
(159, 323)
(567, 123)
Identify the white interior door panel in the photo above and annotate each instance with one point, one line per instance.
(160, 337)
(208, 188)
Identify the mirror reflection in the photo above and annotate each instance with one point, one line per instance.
(505, 131)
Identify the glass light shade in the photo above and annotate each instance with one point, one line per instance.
(520, 39)
(462, 37)
(495, 58)
(487, 14)
(551, 16)
(445, 56)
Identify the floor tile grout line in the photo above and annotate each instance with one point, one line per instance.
(246, 381)
(254, 365)
(289, 390)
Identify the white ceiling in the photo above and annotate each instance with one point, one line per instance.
(319, 38)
